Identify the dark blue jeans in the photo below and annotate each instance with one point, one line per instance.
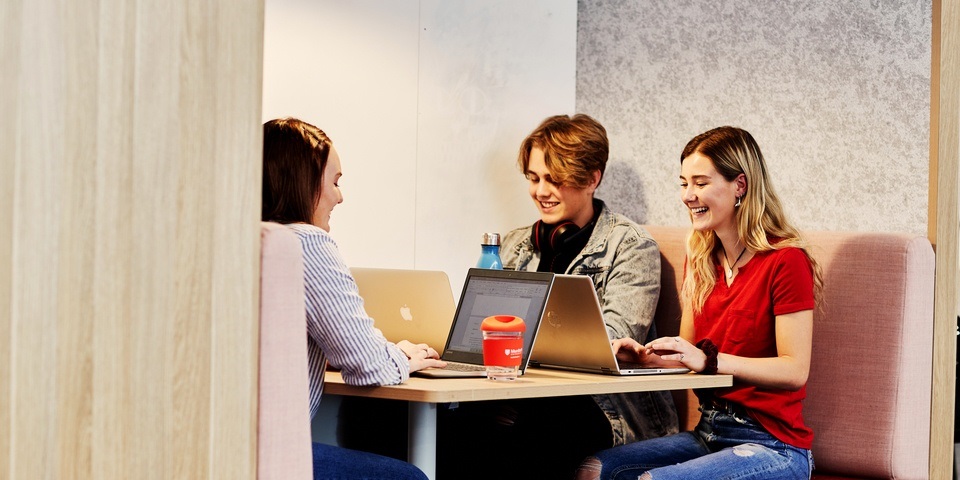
(725, 445)
(331, 462)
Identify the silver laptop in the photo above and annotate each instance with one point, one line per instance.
(486, 293)
(573, 336)
(413, 305)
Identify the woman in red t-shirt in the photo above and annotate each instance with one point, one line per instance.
(749, 291)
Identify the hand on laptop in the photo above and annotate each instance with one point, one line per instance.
(421, 355)
(673, 351)
(629, 350)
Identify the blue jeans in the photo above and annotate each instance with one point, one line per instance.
(331, 462)
(726, 444)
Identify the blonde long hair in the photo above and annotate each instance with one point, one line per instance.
(760, 216)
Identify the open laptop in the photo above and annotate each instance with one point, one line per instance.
(486, 293)
(573, 336)
(413, 305)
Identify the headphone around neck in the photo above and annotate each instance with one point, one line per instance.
(548, 237)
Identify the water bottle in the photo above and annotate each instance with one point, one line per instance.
(490, 252)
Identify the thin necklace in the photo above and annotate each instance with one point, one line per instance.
(729, 268)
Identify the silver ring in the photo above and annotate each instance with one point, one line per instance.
(681, 357)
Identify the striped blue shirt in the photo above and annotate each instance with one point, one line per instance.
(338, 328)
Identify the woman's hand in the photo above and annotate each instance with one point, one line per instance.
(421, 355)
(679, 350)
(629, 350)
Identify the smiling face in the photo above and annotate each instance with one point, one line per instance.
(708, 195)
(330, 195)
(556, 202)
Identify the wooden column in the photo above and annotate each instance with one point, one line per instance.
(129, 238)
(944, 227)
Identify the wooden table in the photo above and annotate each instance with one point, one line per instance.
(425, 393)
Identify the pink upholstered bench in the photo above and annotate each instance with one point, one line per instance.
(868, 395)
(283, 424)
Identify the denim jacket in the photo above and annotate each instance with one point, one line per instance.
(624, 263)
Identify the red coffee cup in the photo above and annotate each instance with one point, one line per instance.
(502, 346)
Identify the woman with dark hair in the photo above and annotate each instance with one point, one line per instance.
(301, 171)
(749, 290)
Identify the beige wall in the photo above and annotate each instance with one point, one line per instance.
(129, 199)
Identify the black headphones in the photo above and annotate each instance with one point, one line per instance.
(548, 237)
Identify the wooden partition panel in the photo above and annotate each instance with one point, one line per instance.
(945, 221)
(129, 238)
(9, 79)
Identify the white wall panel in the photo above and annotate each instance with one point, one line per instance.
(489, 73)
(426, 102)
(350, 68)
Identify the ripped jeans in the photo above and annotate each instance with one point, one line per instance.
(725, 445)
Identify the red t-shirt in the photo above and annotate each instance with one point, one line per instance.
(740, 320)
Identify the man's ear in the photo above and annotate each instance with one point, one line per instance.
(596, 181)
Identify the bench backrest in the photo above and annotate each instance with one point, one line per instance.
(868, 394)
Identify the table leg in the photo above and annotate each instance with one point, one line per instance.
(422, 437)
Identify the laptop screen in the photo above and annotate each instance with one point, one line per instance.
(496, 292)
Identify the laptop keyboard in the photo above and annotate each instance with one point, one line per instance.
(464, 367)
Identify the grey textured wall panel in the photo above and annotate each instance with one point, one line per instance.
(836, 93)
